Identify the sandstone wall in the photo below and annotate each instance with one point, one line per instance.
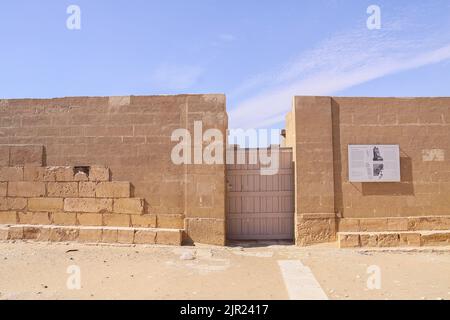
(325, 126)
(131, 136)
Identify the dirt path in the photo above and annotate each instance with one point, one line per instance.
(40, 271)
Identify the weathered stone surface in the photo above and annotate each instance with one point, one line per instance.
(99, 174)
(116, 220)
(428, 223)
(34, 218)
(348, 225)
(435, 238)
(311, 231)
(113, 189)
(11, 173)
(62, 189)
(64, 174)
(3, 189)
(169, 237)
(143, 221)
(207, 231)
(125, 235)
(131, 206)
(15, 233)
(64, 218)
(90, 235)
(86, 189)
(90, 219)
(170, 221)
(8, 217)
(30, 232)
(368, 240)
(109, 235)
(45, 204)
(63, 234)
(4, 232)
(133, 140)
(410, 239)
(88, 205)
(4, 155)
(26, 189)
(397, 224)
(347, 240)
(388, 240)
(12, 204)
(145, 236)
(373, 224)
(26, 155)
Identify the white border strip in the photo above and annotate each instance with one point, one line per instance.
(300, 281)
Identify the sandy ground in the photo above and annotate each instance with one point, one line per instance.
(40, 271)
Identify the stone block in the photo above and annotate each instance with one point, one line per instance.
(109, 235)
(12, 204)
(62, 189)
(143, 221)
(43, 235)
(113, 190)
(63, 234)
(87, 205)
(30, 232)
(90, 235)
(64, 174)
(26, 189)
(64, 218)
(397, 224)
(26, 155)
(347, 240)
(3, 189)
(11, 173)
(86, 189)
(410, 239)
(348, 225)
(368, 240)
(171, 221)
(15, 233)
(145, 236)
(435, 238)
(206, 231)
(373, 224)
(8, 217)
(4, 155)
(116, 220)
(4, 232)
(388, 240)
(90, 219)
(315, 230)
(125, 235)
(34, 218)
(33, 173)
(45, 204)
(131, 206)
(169, 237)
(98, 173)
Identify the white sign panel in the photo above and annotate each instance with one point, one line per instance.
(374, 163)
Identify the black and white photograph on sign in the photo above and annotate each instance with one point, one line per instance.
(378, 170)
(374, 163)
(376, 154)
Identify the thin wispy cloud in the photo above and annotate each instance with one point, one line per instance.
(343, 61)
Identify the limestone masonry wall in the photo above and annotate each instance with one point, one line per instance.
(323, 127)
(131, 136)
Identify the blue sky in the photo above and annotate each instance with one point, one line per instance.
(259, 53)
